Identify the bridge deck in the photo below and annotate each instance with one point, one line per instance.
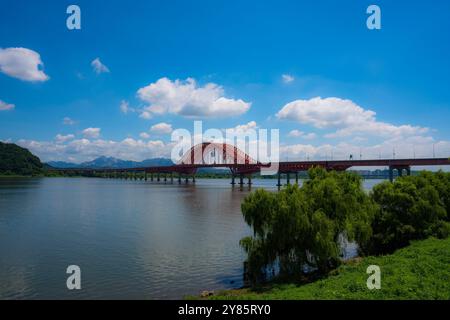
(283, 166)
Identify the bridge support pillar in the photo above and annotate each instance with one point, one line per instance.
(296, 177)
(250, 180)
(145, 176)
(391, 174)
(165, 177)
(279, 179)
(408, 171)
(288, 178)
(187, 179)
(233, 182)
(241, 180)
(193, 178)
(158, 177)
(171, 177)
(151, 177)
(179, 178)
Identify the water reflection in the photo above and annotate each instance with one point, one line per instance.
(132, 239)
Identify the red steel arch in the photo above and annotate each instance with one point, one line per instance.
(220, 153)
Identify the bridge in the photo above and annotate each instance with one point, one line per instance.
(241, 165)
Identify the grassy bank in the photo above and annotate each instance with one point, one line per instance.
(419, 271)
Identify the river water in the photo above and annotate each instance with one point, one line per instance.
(131, 239)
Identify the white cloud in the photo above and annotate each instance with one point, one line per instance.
(344, 116)
(92, 133)
(125, 107)
(287, 78)
(6, 106)
(300, 134)
(84, 150)
(188, 99)
(23, 64)
(415, 146)
(241, 133)
(99, 67)
(63, 138)
(296, 133)
(161, 128)
(245, 127)
(309, 136)
(68, 121)
(145, 115)
(144, 135)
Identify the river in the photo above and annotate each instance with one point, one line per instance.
(131, 239)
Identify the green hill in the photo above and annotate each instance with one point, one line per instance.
(419, 271)
(15, 160)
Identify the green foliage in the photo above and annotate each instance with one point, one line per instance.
(418, 272)
(441, 182)
(15, 160)
(410, 208)
(302, 228)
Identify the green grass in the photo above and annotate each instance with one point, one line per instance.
(420, 271)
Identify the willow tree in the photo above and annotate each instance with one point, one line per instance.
(300, 229)
(411, 208)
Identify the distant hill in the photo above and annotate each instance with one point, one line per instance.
(15, 160)
(60, 164)
(110, 162)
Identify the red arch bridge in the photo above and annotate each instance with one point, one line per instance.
(241, 165)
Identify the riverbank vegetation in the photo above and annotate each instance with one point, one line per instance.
(410, 208)
(298, 233)
(300, 229)
(420, 271)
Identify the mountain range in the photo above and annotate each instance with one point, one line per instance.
(110, 162)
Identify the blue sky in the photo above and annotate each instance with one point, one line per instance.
(378, 89)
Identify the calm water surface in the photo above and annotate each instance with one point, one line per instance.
(131, 239)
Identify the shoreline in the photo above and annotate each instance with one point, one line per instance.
(423, 264)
